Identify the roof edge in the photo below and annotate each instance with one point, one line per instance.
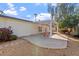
(16, 18)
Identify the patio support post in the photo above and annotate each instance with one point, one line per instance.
(57, 27)
(51, 27)
(51, 22)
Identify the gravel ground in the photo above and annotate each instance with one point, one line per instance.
(21, 47)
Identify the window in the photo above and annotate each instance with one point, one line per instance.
(40, 29)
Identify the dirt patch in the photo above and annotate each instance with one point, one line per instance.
(23, 47)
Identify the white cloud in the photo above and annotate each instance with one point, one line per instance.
(10, 5)
(11, 10)
(22, 9)
(43, 16)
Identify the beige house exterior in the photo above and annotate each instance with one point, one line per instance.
(20, 27)
(24, 28)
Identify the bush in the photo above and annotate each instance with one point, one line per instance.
(13, 37)
(6, 34)
(75, 34)
(63, 30)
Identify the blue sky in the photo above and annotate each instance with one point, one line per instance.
(25, 10)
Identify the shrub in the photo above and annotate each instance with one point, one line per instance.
(63, 30)
(6, 34)
(13, 37)
(75, 34)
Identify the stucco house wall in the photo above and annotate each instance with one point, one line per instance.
(19, 27)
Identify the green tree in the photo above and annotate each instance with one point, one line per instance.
(69, 22)
(64, 13)
(65, 9)
(1, 12)
(35, 15)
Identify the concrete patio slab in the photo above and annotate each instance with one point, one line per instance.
(55, 42)
(55, 36)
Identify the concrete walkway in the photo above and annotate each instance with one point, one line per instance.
(55, 42)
